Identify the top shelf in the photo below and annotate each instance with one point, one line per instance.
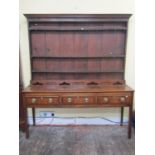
(78, 17)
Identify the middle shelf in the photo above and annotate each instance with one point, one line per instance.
(78, 57)
(78, 72)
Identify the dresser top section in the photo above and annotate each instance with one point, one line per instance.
(77, 46)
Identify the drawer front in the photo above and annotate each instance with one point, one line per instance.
(121, 99)
(79, 100)
(50, 100)
(42, 100)
(86, 100)
(114, 99)
(33, 100)
(69, 100)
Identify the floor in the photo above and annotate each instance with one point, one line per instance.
(77, 140)
(78, 120)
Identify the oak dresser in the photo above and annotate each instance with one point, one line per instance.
(77, 61)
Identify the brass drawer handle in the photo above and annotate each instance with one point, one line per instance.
(122, 99)
(86, 100)
(105, 99)
(69, 99)
(50, 100)
(33, 100)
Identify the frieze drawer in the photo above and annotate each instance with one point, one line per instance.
(69, 100)
(86, 100)
(78, 100)
(42, 100)
(117, 100)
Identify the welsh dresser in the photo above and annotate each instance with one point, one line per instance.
(77, 61)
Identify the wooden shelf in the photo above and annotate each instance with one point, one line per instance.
(80, 57)
(78, 72)
(76, 29)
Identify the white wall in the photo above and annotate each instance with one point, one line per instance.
(77, 7)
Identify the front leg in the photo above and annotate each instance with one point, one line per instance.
(26, 126)
(33, 116)
(130, 122)
(122, 114)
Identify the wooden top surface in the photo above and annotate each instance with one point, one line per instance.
(76, 17)
(127, 15)
(77, 88)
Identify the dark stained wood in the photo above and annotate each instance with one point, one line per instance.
(21, 107)
(78, 17)
(76, 39)
(77, 61)
(122, 113)
(78, 82)
(78, 45)
(75, 88)
(26, 125)
(33, 116)
(130, 119)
